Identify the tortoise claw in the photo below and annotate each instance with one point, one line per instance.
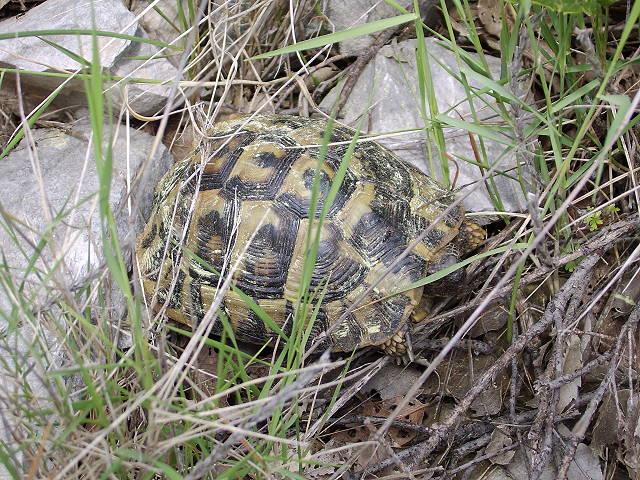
(400, 347)
(471, 236)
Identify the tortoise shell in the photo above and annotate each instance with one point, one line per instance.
(243, 200)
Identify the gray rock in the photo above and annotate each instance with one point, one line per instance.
(159, 27)
(344, 15)
(35, 54)
(72, 251)
(70, 222)
(386, 97)
(138, 62)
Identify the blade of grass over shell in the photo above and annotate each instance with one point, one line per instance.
(446, 271)
(290, 357)
(311, 246)
(337, 37)
(301, 330)
(309, 300)
(231, 364)
(314, 230)
(317, 302)
(251, 303)
(241, 361)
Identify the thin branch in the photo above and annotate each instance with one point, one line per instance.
(580, 428)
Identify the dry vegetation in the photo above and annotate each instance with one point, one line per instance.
(535, 359)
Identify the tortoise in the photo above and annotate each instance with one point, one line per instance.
(244, 199)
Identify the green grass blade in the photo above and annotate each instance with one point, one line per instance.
(248, 300)
(97, 33)
(482, 130)
(74, 56)
(589, 7)
(446, 271)
(623, 103)
(33, 118)
(337, 37)
(574, 96)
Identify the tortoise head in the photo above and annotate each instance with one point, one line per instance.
(470, 237)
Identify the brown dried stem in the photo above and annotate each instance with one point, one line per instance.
(580, 429)
(575, 282)
(604, 239)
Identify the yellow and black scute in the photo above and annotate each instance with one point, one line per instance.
(242, 204)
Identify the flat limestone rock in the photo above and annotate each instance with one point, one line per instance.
(50, 242)
(34, 54)
(50, 203)
(344, 15)
(120, 57)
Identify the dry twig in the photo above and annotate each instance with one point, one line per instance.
(580, 429)
(441, 431)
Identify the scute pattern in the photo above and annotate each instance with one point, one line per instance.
(244, 199)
